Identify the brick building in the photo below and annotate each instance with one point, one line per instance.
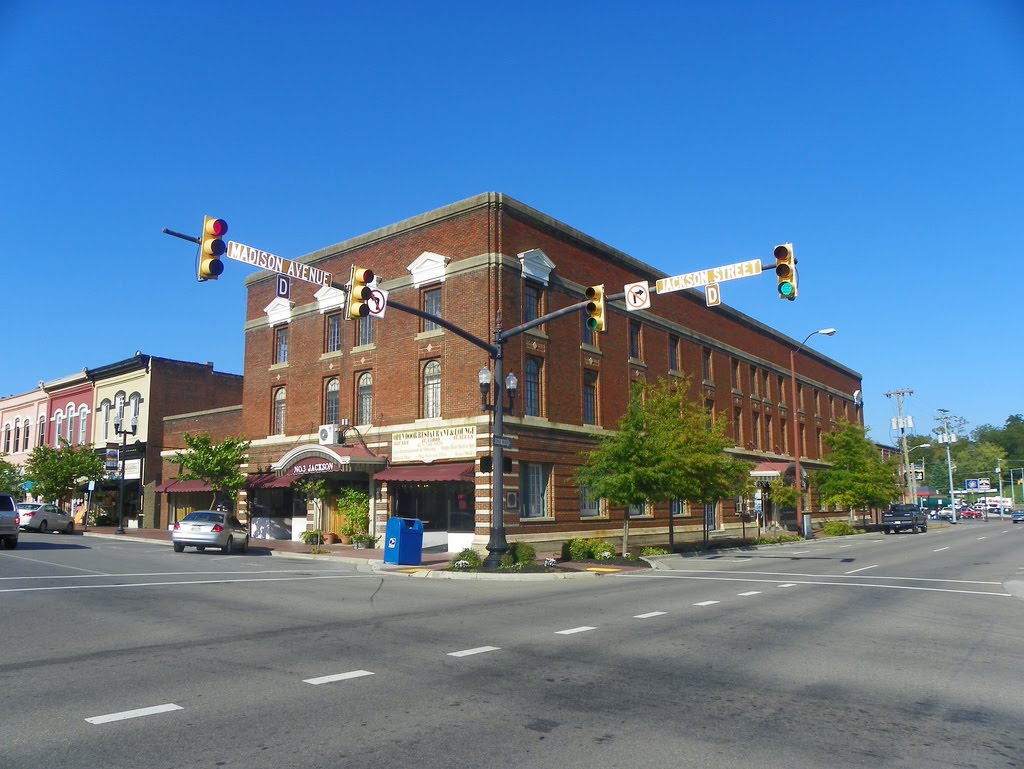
(393, 404)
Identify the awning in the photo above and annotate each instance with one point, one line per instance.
(461, 472)
(770, 469)
(269, 481)
(174, 486)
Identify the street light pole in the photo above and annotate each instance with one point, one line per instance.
(797, 480)
(119, 429)
(497, 545)
(948, 437)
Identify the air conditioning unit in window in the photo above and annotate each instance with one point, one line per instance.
(328, 435)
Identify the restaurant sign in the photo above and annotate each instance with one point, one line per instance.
(313, 465)
(428, 445)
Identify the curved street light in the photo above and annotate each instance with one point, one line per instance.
(797, 480)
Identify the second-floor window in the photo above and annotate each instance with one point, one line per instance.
(41, 441)
(82, 413)
(589, 335)
(17, 435)
(532, 301)
(590, 397)
(331, 405)
(27, 434)
(705, 370)
(432, 304)
(636, 350)
(532, 386)
(673, 352)
(71, 424)
(281, 345)
(332, 333)
(365, 330)
(432, 390)
(364, 398)
(280, 402)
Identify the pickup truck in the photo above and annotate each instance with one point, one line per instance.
(904, 518)
(9, 521)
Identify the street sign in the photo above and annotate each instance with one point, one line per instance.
(638, 296)
(266, 261)
(713, 275)
(971, 484)
(502, 440)
(378, 302)
(713, 294)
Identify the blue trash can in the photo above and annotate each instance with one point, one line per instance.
(403, 541)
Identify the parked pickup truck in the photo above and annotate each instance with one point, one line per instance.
(9, 521)
(904, 518)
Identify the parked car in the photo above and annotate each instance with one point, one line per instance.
(43, 517)
(1018, 516)
(210, 528)
(971, 513)
(9, 521)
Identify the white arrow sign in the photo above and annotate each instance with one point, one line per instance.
(638, 295)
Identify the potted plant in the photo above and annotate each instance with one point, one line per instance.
(354, 504)
(330, 537)
(312, 537)
(363, 541)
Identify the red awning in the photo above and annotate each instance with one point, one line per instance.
(462, 472)
(770, 469)
(269, 481)
(174, 486)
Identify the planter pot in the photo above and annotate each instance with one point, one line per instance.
(330, 538)
(359, 544)
(345, 539)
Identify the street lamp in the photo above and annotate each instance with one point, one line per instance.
(497, 545)
(911, 475)
(796, 427)
(124, 431)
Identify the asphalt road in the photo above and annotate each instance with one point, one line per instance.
(868, 651)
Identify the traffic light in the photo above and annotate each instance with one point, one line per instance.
(785, 269)
(359, 292)
(212, 248)
(595, 308)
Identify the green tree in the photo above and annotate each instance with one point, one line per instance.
(314, 489)
(11, 479)
(216, 464)
(667, 446)
(56, 472)
(858, 478)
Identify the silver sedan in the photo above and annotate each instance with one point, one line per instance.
(43, 517)
(210, 528)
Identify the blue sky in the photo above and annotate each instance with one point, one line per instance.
(884, 139)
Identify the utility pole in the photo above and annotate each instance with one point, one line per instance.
(903, 423)
(949, 436)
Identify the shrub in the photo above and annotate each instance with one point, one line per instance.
(470, 556)
(521, 552)
(778, 539)
(587, 549)
(840, 529)
(313, 537)
(653, 551)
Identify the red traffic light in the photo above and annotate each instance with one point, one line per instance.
(217, 227)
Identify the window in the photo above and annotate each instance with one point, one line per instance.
(589, 335)
(364, 398)
(767, 386)
(533, 489)
(755, 389)
(755, 430)
(27, 434)
(331, 392)
(432, 304)
(737, 423)
(7, 439)
(635, 341)
(432, 390)
(365, 332)
(590, 505)
(768, 441)
(590, 397)
(784, 429)
(532, 301)
(637, 511)
(41, 441)
(531, 401)
(710, 516)
(677, 507)
(105, 410)
(735, 374)
(72, 415)
(673, 352)
(706, 371)
(119, 407)
(58, 428)
(281, 345)
(17, 436)
(709, 414)
(782, 389)
(332, 333)
(82, 413)
(280, 400)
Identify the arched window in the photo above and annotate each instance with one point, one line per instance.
(82, 421)
(42, 431)
(331, 401)
(432, 390)
(72, 415)
(106, 412)
(7, 439)
(364, 398)
(58, 428)
(279, 410)
(27, 434)
(17, 435)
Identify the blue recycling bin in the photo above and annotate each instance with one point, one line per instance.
(403, 541)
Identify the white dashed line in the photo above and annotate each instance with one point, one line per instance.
(788, 584)
(648, 615)
(126, 714)
(750, 592)
(570, 631)
(981, 538)
(863, 568)
(706, 603)
(941, 549)
(337, 677)
(477, 650)
(799, 552)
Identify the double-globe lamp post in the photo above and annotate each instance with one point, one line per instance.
(124, 431)
(497, 545)
(797, 479)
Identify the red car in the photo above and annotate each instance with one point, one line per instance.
(968, 513)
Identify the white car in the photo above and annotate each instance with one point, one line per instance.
(210, 528)
(43, 517)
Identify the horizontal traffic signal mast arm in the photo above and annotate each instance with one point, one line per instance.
(556, 314)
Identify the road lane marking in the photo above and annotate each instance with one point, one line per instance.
(663, 575)
(117, 575)
(842, 546)
(648, 615)
(570, 631)
(337, 677)
(139, 713)
(706, 603)
(792, 574)
(941, 549)
(799, 552)
(981, 538)
(750, 592)
(92, 572)
(176, 584)
(477, 650)
(862, 568)
(788, 584)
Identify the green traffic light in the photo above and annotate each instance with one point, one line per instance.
(786, 289)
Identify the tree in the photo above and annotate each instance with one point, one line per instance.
(314, 489)
(56, 472)
(667, 446)
(858, 477)
(11, 479)
(216, 464)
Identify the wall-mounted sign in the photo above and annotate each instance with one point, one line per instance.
(428, 445)
(312, 465)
